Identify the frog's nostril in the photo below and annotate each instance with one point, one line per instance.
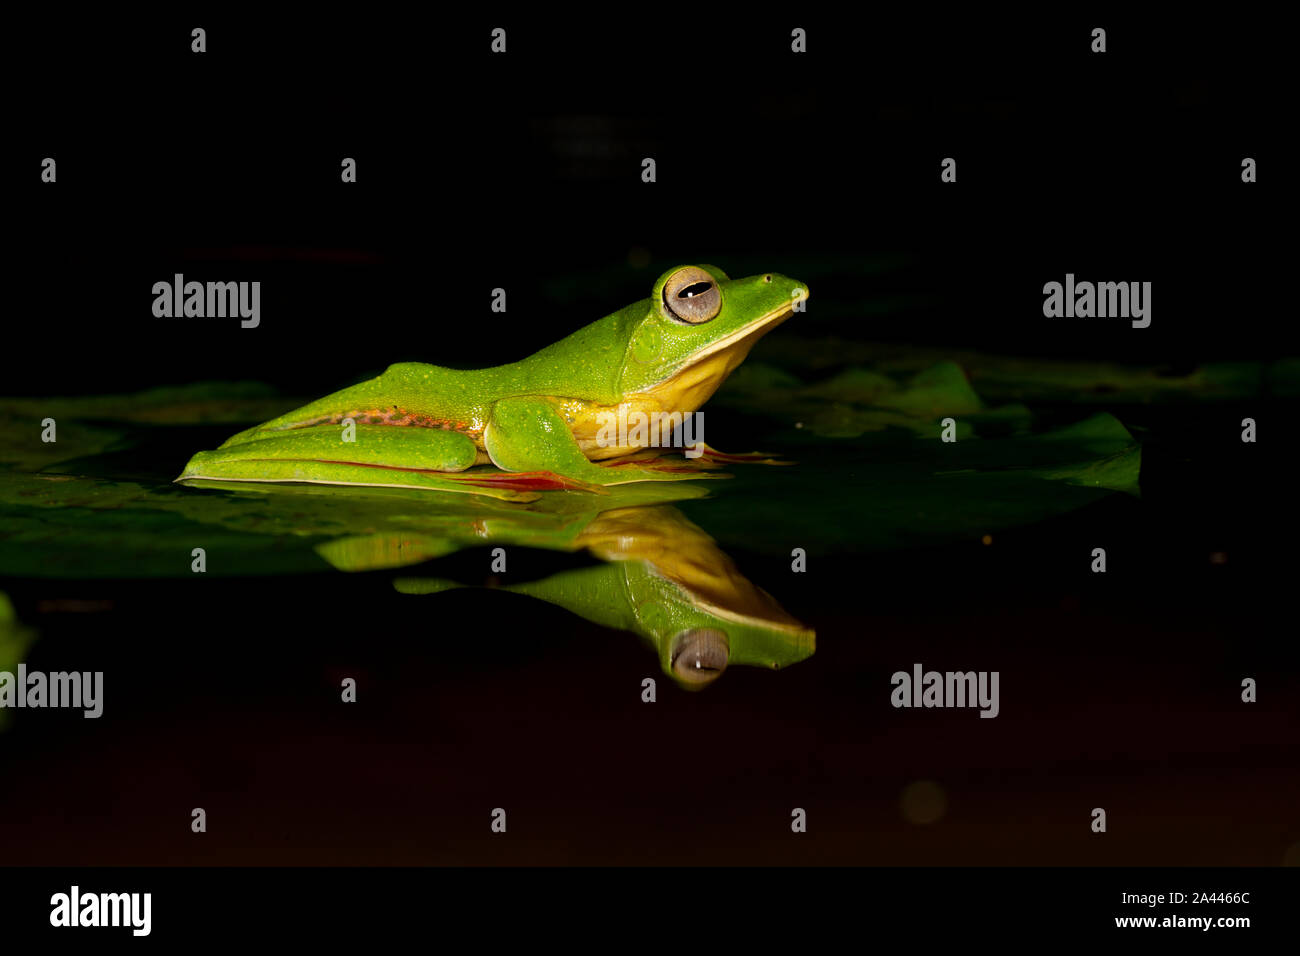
(767, 278)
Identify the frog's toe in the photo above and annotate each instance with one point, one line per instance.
(658, 468)
(751, 458)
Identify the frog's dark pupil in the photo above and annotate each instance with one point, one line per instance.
(695, 288)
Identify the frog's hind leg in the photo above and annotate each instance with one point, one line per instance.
(365, 403)
(381, 456)
(365, 446)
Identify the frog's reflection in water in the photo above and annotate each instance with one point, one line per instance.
(660, 576)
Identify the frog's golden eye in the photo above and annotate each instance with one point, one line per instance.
(692, 296)
(699, 656)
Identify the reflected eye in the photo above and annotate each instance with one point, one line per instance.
(692, 296)
(700, 655)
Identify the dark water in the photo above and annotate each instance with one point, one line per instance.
(1118, 690)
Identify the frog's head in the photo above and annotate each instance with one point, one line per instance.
(698, 325)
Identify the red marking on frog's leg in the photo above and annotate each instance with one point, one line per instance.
(398, 417)
(527, 481)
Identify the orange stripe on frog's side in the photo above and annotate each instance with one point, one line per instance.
(398, 417)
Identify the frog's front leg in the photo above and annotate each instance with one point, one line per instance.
(530, 434)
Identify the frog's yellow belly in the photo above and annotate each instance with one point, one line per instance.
(665, 405)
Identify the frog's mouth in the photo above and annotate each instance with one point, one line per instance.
(694, 383)
(743, 338)
(683, 391)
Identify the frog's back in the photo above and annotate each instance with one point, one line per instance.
(585, 365)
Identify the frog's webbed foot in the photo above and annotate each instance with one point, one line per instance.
(718, 459)
(654, 465)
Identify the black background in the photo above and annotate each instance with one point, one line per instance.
(479, 171)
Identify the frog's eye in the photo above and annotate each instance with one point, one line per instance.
(699, 656)
(692, 296)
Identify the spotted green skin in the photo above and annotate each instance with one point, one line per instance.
(507, 413)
